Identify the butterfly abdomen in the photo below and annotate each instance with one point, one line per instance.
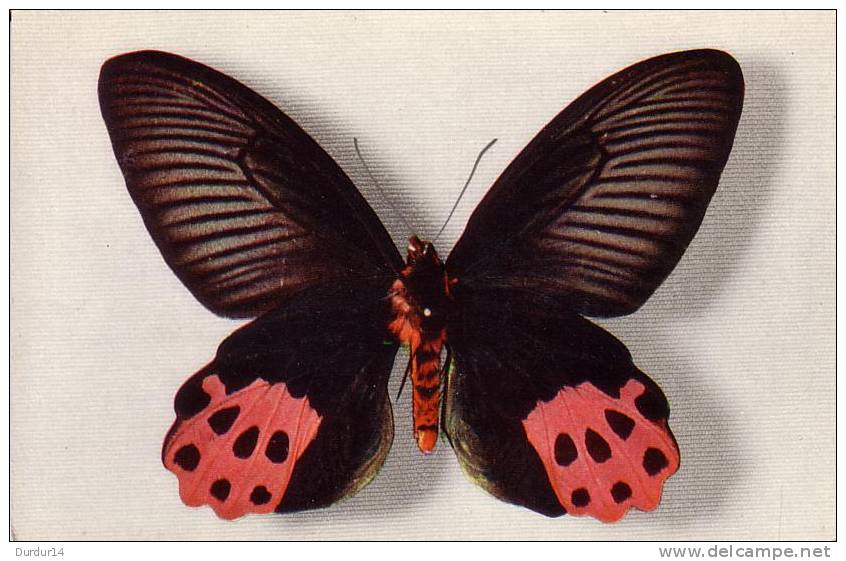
(426, 395)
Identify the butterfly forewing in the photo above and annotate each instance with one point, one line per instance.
(245, 207)
(600, 206)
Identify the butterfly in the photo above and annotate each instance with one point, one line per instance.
(543, 408)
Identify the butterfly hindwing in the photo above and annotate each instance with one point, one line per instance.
(239, 452)
(601, 454)
(245, 207)
(600, 206)
(547, 410)
(293, 412)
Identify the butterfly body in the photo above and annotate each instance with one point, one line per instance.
(420, 300)
(543, 408)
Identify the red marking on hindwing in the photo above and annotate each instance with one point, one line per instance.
(602, 456)
(237, 455)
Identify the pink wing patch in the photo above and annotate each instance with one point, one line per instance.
(237, 454)
(601, 455)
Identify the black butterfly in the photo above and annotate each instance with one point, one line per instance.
(543, 408)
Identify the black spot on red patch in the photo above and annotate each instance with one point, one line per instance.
(654, 461)
(220, 489)
(187, 457)
(277, 447)
(652, 405)
(222, 420)
(621, 491)
(597, 447)
(260, 495)
(580, 497)
(246, 443)
(565, 450)
(621, 424)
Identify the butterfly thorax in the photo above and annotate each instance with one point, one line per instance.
(420, 300)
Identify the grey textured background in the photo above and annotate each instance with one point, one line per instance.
(741, 336)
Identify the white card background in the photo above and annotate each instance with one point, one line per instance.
(740, 337)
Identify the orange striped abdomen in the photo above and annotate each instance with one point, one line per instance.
(425, 348)
(426, 384)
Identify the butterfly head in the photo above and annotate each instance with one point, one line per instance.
(422, 254)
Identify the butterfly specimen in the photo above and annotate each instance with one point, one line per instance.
(543, 408)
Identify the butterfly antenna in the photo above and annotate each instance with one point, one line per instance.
(473, 171)
(379, 188)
